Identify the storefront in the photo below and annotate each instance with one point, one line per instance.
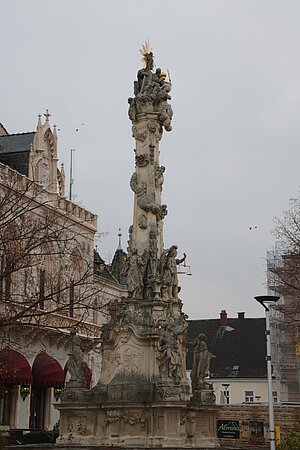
(48, 376)
(27, 394)
(15, 379)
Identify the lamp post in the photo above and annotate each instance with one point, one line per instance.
(265, 301)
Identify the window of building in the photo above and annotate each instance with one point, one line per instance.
(95, 311)
(5, 279)
(42, 289)
(249, 396)
(257, 429)
(7, 282)
(235, 371)
(71, 304)
(6, 404)
(225, 397)
(58, 290)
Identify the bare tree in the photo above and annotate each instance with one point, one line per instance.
(46, 260)
(284, 261)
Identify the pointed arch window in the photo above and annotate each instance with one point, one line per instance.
(6, 269)
(71, 303)
(42, 289)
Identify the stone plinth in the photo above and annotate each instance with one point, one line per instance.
(157, 425)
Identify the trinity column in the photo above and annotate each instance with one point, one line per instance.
(152, 270)
(143, 398)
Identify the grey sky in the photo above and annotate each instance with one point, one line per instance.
(232, 160)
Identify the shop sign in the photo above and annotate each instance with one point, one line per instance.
(228, 429)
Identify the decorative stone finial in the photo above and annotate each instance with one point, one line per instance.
(39, 124)
(54, 131)
(47, 115)
(120, 236)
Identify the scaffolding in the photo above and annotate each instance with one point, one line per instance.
(284, 327)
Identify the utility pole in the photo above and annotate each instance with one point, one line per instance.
(71, 174)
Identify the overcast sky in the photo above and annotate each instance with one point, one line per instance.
(232, 160)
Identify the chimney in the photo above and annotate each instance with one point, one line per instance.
(241, 315)
(223, 318)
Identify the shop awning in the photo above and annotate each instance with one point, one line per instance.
(88, 376)
(46, 371)
(14, 368)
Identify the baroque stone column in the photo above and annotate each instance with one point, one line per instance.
(150, 113)
(143, 398)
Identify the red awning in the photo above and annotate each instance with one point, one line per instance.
(88, 376)
(46, 371)
(14, 368)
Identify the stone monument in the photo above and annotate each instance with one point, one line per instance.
(143, 398)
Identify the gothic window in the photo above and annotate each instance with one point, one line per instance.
(42, 289)
(95, 311)
(75, 287)
(71, 303)
(5, 280)
(58, 289)
(47, 277)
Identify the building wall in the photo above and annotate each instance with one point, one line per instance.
(238, 387)
(77, 226)
(286, 417)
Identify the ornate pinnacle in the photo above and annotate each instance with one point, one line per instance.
(120, 236)
(47, 115)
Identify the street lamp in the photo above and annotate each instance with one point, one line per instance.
(265, 301)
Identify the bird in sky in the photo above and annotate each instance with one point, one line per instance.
(77, 129)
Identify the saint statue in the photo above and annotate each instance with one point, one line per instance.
(76, 365)
(169, 273)
(169, 353)
(135, 274)
(201, 362)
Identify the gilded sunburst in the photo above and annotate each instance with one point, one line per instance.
(146, 50)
